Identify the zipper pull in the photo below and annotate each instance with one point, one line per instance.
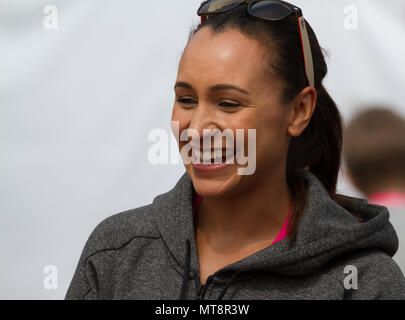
(199, 286)
(203, 287)
(199, 295)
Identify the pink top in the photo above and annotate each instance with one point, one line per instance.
(388, 198)
(281, 235)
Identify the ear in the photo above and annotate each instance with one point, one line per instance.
(303, 108)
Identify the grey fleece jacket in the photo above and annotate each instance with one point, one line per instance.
(150, 253)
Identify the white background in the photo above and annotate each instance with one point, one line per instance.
(77, 105)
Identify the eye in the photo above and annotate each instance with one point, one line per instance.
(186, 101)
(227, 104)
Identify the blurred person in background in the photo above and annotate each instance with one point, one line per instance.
(374, 151)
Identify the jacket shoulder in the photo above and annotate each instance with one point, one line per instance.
(369, 274)
(119, 229)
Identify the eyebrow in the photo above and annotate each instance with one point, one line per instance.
(218, 87)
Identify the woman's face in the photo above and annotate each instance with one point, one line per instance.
(231, 59)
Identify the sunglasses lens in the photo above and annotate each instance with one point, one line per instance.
(270, 10)
(218, 6)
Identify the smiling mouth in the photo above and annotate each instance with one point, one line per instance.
(213, 157)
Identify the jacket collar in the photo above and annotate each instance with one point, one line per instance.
(326, 230)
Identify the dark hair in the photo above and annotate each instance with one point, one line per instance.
(375, 149)
(319, 147)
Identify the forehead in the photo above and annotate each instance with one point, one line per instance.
(226, 56)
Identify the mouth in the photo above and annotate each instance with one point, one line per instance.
(212, 160)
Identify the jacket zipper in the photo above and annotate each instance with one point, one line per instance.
(202, 287)
(199, 294)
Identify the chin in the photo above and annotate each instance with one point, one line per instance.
(214, 184)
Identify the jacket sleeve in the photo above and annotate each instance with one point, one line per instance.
(84, 285)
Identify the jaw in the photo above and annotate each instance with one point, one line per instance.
(214, 184)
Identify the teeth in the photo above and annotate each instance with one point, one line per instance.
(206, 155)
(230, 153)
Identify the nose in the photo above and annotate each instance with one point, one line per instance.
(203, 118)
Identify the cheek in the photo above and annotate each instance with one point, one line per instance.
(179, 121)
(270, 128)
(271, 134)
(177, 113)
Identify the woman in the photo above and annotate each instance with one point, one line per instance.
(279, 233)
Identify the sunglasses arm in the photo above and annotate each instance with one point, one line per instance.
(306, 49)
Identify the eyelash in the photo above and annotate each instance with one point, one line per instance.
(230, 105)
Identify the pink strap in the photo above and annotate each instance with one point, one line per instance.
(197, 201)
(284, 229)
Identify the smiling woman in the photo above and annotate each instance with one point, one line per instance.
(279, 233)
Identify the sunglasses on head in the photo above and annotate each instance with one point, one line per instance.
(270, 10)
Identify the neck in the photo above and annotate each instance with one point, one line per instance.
(255, 214)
